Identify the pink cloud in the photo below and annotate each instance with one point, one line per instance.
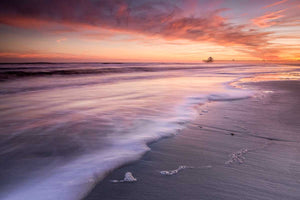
(164, 19)
(275, 4)
(61, 40)
(268, 19)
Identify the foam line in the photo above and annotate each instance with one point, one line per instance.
(180, 168)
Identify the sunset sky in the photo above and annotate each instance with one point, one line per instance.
(148, 30)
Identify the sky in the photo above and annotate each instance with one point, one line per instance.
(148, 30)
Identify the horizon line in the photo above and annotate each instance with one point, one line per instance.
(118, 62)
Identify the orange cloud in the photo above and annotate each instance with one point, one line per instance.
(268, 19)
(44, 24)
(33, 55)
(152, 21)
(275, 4)
(61, 40)
(161, 19)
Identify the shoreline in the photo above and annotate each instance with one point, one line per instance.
(160, 150)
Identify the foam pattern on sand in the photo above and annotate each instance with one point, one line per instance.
(237, 157)
(127, 178)
(180, 168)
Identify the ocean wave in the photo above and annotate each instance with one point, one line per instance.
(87, 139)
(74, 179)
(9, 71)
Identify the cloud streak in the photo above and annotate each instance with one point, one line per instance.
(61, 40)
(268, 19)
(275, 4)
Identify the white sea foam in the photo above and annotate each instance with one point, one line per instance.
(237, 157)
(232, 95)
(268, 91)
(127, 178)
(74, 179)
(182, 167)
(175, 171)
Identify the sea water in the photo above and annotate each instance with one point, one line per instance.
(64, 126)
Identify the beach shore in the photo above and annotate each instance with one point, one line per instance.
(244, 149)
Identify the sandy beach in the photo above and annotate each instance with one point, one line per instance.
(243, 149)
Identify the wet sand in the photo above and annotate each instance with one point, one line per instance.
(252, 146)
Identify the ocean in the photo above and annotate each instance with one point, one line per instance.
(65, 126)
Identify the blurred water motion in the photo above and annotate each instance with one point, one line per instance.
(89, 118)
